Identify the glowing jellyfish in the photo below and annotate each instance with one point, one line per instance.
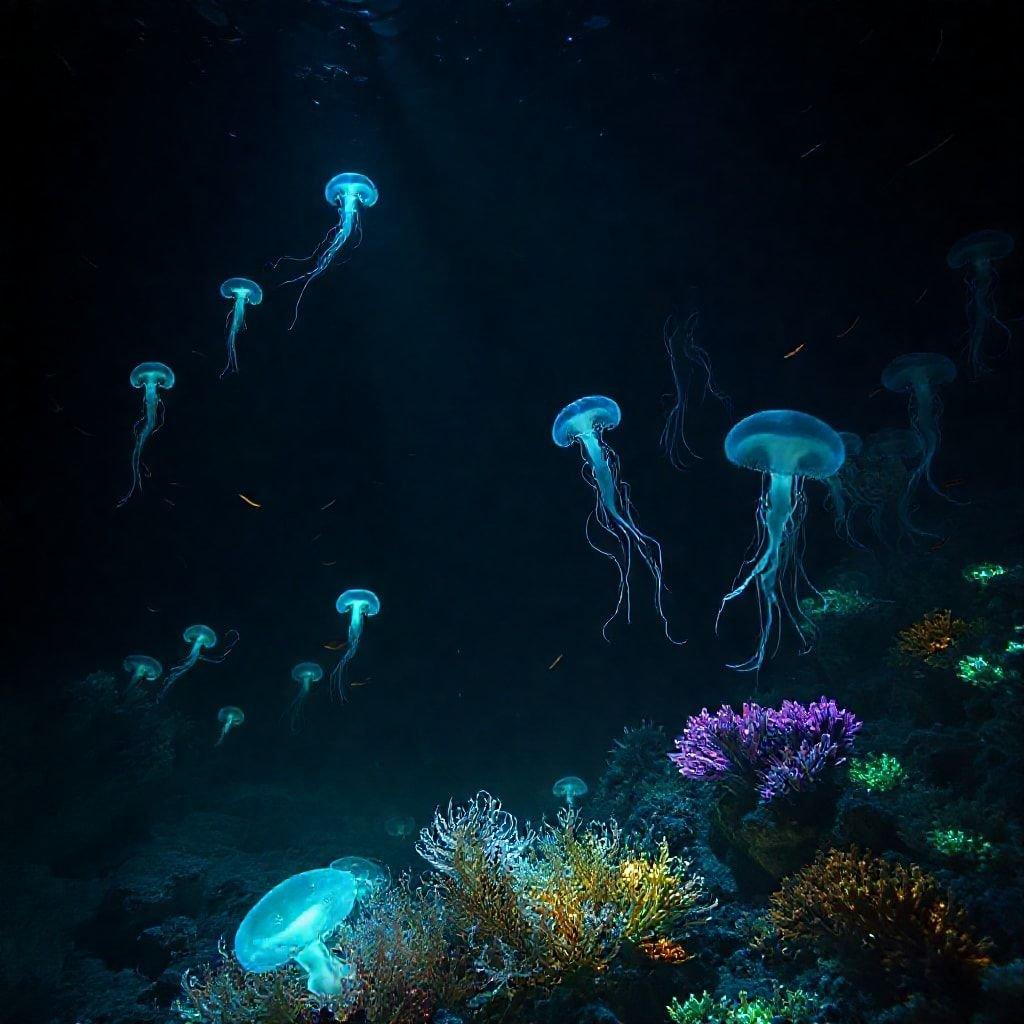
(291, 923)
(199, 638)
(843, 497)
(348, 192)
(150, 378)
(306, 673)
(976, 253)
(358, 605)
(370, 875)
(585, 421)
(785, 447)
(230, 718)
(398, 826)
(141, 669)
(242, 293)
(570, 789)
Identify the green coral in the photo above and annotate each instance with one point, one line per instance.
(794, 1005)
(955, 842)
(978, 671)
(984, 572)
(876, 772)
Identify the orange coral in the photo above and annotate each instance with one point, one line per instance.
(935, 634)
(664, 951)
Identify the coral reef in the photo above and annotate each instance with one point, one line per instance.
(795, 1007)
(933, 635)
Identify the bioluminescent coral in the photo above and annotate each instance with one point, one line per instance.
(370, 875)
(794, 1006)
(242, 293)
(685, 358)
(348, 193)
(778, 752)
(956, 843)
(930, 637)
(984, 572)
(358, 605)
(150, 378)
(306, 673)
(140, 668)
(199, 638)
(230, 718)
(785, 447)
(834, 603)
(570, 789)
(876, 773)
(291, 922)
(585, 421)
(978, 671)
(976, 254)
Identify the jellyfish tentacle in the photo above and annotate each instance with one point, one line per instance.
(179, 670)
(237, 323)
(355, 634)
(231, 638)
(144, 427)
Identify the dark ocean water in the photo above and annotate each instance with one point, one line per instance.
(556, 180)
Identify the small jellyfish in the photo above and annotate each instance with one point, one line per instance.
(306, 673)
(398, 826)
(348, 192)
(230, 718)
(242, 293)
(149, 377)
(842, 492)
(358, 605)
(585, 421)
(199, 638)
(569, 789)
(785, 447)
(140, 668)
(976, 254)
(370, 875)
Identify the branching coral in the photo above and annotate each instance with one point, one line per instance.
(872, 913)
(780, 752)
(876, 772)
(794, 1006)
(955, 842)
(932, 636)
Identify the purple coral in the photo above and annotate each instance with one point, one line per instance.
(778, 752)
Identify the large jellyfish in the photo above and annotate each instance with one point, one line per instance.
(976, 253)
(149, 377)
(785, 447)
(230, 718)
(348, 192)
(843, 497)
(140, 668)
(199, 638)
(358, 605)
(242, 292)
(306, 673)
(586, 421)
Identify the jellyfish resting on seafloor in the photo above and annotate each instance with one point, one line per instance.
(358, 605)
(230, 718)
(786, 448)
(306, 673)
(140, 668)
(347, 192)
(585, 421)
(976, 253)
(242, 293)
(149, 378)
(199, 638)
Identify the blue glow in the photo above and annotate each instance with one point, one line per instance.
(348, 192)
(141, 669)
(785, 447)
(230, 718)
(976, 253)
(199, 638)
(291, 922)
(242, 293)
(306, 673)
(149, 378)
(585, 421)
(358, 605)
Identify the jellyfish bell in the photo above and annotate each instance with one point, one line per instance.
(351, 186)
(785, 443)
(398, 826)
(157, 375)
(230, 718)
(140, 668)
(358, 604)
(242, 292)
(917, 369)
(584, 417)
(570, 789)
(200, 636)
(366, 600)
(242, 288)
(980, 247)
(307, 672)
(370, 875)
(149, 378)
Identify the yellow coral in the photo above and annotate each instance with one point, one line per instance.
(935, 634)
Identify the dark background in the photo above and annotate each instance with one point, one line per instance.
(549, 194)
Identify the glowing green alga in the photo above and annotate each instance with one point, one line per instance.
(877, 772)
(955, 842)
(984, 572)
(977, 670)
(795, 1006)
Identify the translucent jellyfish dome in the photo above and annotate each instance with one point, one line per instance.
(242, 288)
(786, 443)
(398, 826)
(357, 186)
(141, 666)
(365, 599)
(231, 716)
(152, 375)
(915, 369)
(200, 636)
(370, 875)
(570, 789)
(980, 246)
(585, 416)
(307, 672)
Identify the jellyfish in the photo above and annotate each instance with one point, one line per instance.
(883, 479)
(976, 253)
(569, 788)
(140, 668)
(149, 377)
(306, 673)
(842, 493)
(199, 638)
(785, 447)
(398, 826)
(358, 604)
(348, 192)
(242, 292)
(371, 876)
(230, 718)
(586, 421)
(673, 435)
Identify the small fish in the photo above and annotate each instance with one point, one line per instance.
(249, 501)
(324, 508)
(953, 483)
(555, 662)
(360, 682)
(334, 645)
(813, 149)
(329, 563)
(877, 391)
(850, 328)
(799, 348)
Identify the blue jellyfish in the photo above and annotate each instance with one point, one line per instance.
(357, 604)
(199, 638)
(149, 377)
(843, 497)
(230, 718)
(306, 673)
(586, 421)
(242, 293)
(371, 876)
(976, 253)
(570, 789)
(348, 192)
(785, 447)
(140, 668)
(680, 345)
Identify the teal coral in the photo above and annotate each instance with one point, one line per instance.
(877, 772)
(794, 1006)
(956, 842)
